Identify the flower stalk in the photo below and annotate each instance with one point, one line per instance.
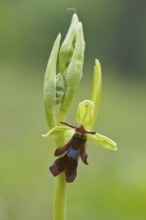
(60, 196)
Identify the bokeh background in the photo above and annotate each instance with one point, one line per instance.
(113, 186)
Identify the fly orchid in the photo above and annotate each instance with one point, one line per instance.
(76, 146)
(62, 78)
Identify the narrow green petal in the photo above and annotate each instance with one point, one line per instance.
(50, 84)
(85, 114)
(96, 87)
(59, 132)
(102, 141)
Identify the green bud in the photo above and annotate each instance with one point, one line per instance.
(67, 46)
(50, 84)
(60, 88)
(85, 113)
(73, 73)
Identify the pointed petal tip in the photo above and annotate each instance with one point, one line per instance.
(113, 147)
(109, 147)
(116, 147)
(96, 61)
(59, 36)
(75, 16)
(97, 64)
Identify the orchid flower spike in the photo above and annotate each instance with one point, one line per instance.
(59, 89)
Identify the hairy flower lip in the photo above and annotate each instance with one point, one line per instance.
(66, 165)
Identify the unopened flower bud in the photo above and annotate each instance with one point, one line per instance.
(60, 88)
(73, 73)
(50, 84)
(67, 47)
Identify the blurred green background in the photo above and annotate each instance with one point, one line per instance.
(113, 186)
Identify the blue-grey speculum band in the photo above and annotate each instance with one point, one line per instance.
(73, 153)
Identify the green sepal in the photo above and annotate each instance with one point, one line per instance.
(102, 141)
(85, 114)
(59, 132)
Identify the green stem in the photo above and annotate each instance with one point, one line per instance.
(60, 193)
(60, 198)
